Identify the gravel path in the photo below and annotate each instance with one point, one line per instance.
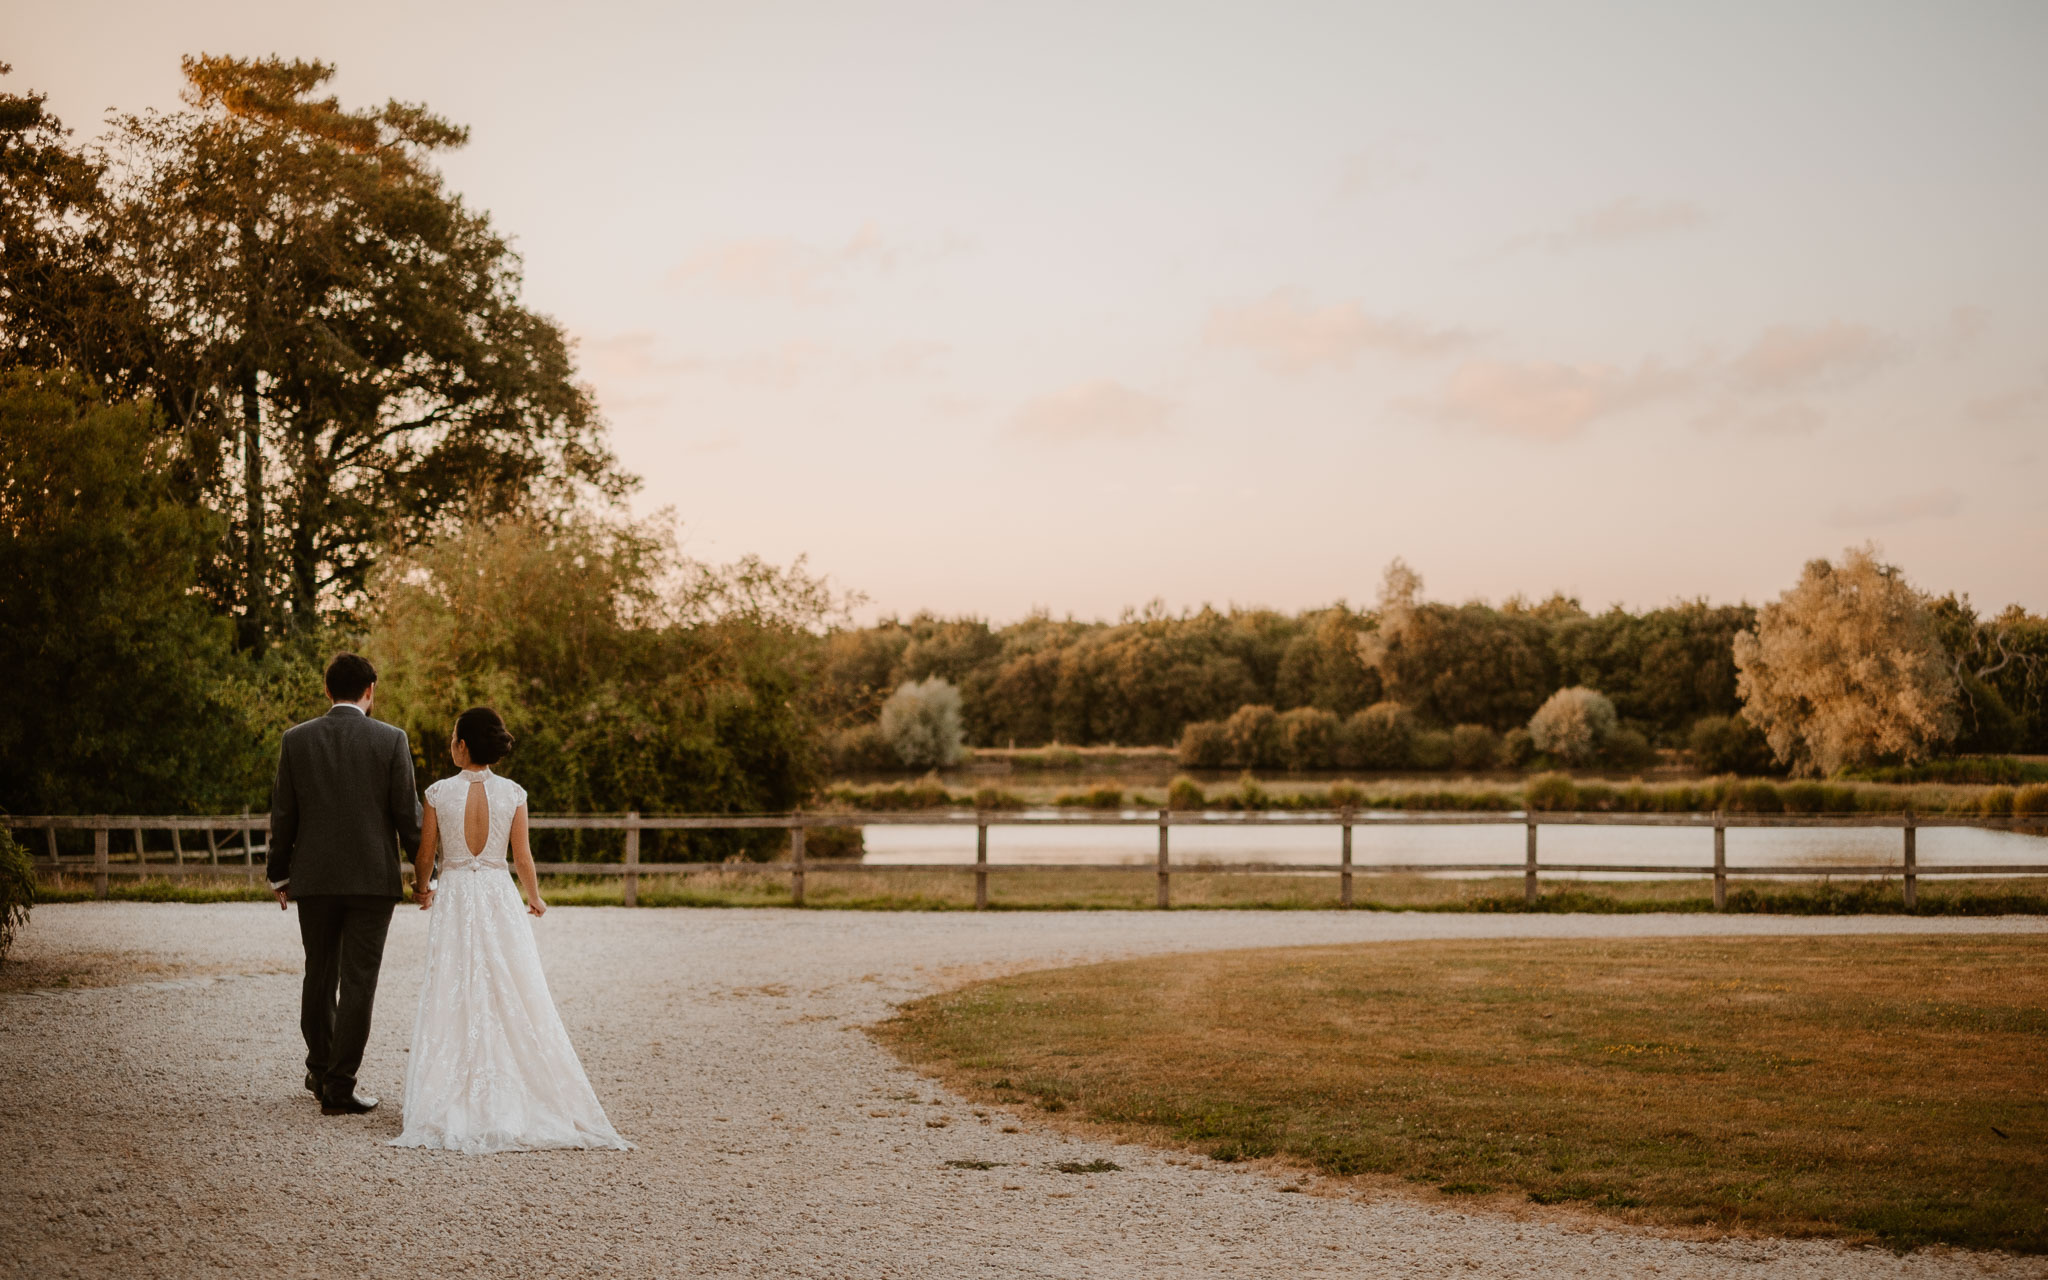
(158, 1128)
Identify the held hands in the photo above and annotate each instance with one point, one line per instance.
(283, 900)
(425, 897)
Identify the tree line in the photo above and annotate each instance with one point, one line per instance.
(1416, 683)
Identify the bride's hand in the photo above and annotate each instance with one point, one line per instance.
(536, 908)
(425, 897)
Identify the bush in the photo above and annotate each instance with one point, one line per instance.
(1093, 798)
(1380, 737)
(1517, 748)
(1308, 738)
(1253, 733)
(1430, 749)
(1628, 748)
(990, 799)
(1551, 793)
(834, 842)
(862, 749)
(921, 720)
(1203, 745)
(17, 890)
(1474, 746)
(1573, 724)
(2031, 801)
(1185, 794)
(1996, 803)
(1729, 744)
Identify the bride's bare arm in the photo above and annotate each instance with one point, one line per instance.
(423, 861)
(522, 863)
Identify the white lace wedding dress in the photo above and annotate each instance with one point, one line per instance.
(491, 1067)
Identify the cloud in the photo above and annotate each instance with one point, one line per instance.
(1364, 173)
(784, 269)
(1624, 220)
(1931, 504)
(1539, 400)
(1099, 410)
(629, 355)
(1792, 355)
(2003, 408)
(912, 359)
(1966, 325)
(1794, 418)
(1289, 335)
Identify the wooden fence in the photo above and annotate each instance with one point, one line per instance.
(242, 851)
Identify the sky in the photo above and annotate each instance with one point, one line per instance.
(992, 308)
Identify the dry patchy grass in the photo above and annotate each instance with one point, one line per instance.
(1878, 1089)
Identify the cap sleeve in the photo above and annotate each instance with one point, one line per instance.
(518, 793)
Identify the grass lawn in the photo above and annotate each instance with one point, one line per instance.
(1892, 1090)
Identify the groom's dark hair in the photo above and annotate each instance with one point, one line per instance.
(349, 676)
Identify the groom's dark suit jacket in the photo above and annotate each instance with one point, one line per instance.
(342, 807)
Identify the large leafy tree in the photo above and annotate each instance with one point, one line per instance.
(1847, 668)
(337, 339)
(111, 657)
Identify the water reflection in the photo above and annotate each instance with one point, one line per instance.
(1682, 849)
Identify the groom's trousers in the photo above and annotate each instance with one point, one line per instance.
(344, 937)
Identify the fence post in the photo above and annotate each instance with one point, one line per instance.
(99, 857)
(796, 857)
(50, 840)
(1529, 866)
(1720, 862)
(981, 862)
(248, 850)
(1912, 861)
(177, 847)
(1165, 894)
(632, 894)
(1344, 878)
(212, 848)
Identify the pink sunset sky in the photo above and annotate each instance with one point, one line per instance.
(994, 307)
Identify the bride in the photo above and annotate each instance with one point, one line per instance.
(491, 1068)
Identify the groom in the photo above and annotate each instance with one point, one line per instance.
(342, 807)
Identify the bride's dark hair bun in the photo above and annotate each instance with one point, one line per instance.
(483, 731)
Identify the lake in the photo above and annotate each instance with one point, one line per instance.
(1381, 841)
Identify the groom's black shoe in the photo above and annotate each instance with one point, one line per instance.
(312, 1085)
(354, 1105)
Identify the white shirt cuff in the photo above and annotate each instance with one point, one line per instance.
(279, 884)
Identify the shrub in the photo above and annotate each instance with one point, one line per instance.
(1380, 737)
(1755, 797)
(1430, 749)
(17, 890)
(2031, 801)
(1308, 738)
(1203, 745)
(1474, 746)
(1517, 748)
(990, 799)
(1996, 803)
(1250, 795)
(1628, 748)
(1573, 724)
(921, 720)
(864, 748)
(1347, 795)
(1253, 733)
(1185, 794)
(1093, 798)
(834, 842)
(1551, 793)
(1729, 744)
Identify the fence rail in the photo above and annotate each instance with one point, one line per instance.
(242, 830)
